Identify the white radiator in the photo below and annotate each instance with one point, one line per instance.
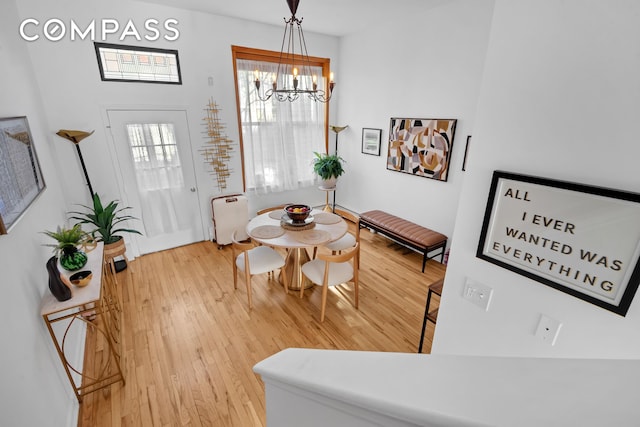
(229, 213)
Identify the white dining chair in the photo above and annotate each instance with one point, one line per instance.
(348, 240)
(333, 270)
(252, 260)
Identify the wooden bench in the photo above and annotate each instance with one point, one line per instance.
(406, 233)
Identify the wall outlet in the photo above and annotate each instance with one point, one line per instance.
(548, 329)
(477, 293)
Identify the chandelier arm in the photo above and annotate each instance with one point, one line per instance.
(302, 75)
(305, 54)
(287, 24)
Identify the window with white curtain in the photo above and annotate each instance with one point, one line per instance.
(278, 138)
(155, 156)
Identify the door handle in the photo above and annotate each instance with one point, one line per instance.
(193, 189)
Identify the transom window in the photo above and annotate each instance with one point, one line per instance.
(138, 64)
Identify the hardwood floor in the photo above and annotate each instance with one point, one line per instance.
(190, 342)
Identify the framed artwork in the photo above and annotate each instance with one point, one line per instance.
(371, 141)
(20, 176)
(578, 239)
(421, 147)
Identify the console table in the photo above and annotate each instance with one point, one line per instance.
(93, 312)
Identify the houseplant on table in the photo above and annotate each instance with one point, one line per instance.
(328, 167)
(105, 219)
(71, 257)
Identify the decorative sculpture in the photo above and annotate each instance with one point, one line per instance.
(218, 149)
(57, 287)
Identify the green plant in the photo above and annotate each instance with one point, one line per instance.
(68, 238)
(105, 219)
(328, 165)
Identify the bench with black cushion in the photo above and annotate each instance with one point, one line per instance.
(406, 233)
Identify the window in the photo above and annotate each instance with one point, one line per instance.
(20, 177)
(155, 156)
(138, 64)
(277, 139)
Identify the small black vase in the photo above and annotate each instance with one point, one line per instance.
(56, 285)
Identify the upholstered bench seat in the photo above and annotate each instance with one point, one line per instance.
(406, 232)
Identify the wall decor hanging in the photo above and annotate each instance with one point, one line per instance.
(217, 152)
(576, 238)
(20, 175)
(421, 147)
(466, 152)
(371, 141)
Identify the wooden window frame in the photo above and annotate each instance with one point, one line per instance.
(252, 54)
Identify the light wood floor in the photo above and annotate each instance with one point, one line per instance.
(190, 342)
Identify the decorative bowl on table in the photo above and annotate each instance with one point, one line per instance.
(81, 278)
(297, 213)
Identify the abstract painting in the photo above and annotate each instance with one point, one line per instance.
(421, 147)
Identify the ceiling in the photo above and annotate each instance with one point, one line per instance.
(332, 17)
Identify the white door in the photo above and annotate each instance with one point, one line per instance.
(154, 154)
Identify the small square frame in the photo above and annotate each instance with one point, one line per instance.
(371, 139)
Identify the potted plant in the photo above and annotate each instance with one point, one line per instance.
(328, 167)
(71, 257)
(105, 219)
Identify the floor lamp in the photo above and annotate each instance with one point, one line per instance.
(76, 136)
(337, 130)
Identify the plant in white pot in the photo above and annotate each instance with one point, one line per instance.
(106, 220)
(328, 167)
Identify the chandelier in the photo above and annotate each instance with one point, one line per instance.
(294, 69)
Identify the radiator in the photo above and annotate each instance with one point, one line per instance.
(229, 214)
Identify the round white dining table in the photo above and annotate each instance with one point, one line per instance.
(271, 229)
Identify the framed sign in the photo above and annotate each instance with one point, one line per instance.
(578, 239)
(371, 141)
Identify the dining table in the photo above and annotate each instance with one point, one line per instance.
(277, 230)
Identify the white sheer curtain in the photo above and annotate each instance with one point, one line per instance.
(279, 138)
(158, 174)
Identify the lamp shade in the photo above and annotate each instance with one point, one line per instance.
(74, 136)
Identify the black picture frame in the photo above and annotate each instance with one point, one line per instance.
(466, 151)
(20, 172)
(579, 239)
(371, 140)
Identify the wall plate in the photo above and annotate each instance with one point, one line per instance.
(477, 293)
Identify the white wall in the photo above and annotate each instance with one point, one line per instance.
(75, 97)
(559, 100)
(57, 85)
(551, 80)
(34, 390)
(423, 63)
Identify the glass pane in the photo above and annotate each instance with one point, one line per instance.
(138, 64)
(155, 156)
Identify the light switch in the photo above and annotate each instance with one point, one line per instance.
(477, 293)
